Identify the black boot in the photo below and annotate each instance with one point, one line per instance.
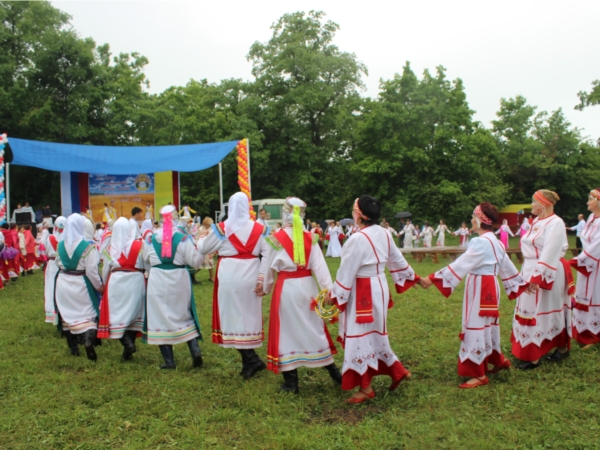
(253, 364)
(334, 373)
(558, 355)
(167, 354)
(89, 342)
(128, 341)
(290, 383)
(72, 342)
(244, 360)
(195, 352)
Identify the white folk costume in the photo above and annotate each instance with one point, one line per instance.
(334, 249)
(586, 312)
(542, 320)
(525, 226)
(482, 262)
(122, 307)
(171, 316)
(427, 236)
(51, 244)
(298, 337)
(135, 228)
(441, 231)
(105, 241)
(361, 292)
(237, 310)
(408, 231)
(147, 230)
(77, 283)
(463, 234)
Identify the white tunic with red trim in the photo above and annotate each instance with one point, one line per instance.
(463, 234)
(484, 259)
(237, 310)
(586, 315)
(545, 314)
(124, 293)
(49, 277)
(361, 290)
(302, 338)
(169, 292)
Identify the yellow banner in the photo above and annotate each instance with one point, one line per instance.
(163, 191)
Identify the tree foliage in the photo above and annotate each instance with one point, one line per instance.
(415, 147)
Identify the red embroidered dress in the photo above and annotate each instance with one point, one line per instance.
(362, 293)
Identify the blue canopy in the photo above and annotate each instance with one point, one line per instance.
(117, 160)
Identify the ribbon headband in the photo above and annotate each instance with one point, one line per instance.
(595, 193)
(481, 216)
(358, 211)
(539, 197)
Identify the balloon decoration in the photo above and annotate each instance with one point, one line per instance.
(3, 142)
(242, 163)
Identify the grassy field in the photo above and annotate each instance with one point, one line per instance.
(51, 400)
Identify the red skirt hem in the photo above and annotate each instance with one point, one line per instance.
(352, 379)
(469, 369)
(534, 352)
(586, 337)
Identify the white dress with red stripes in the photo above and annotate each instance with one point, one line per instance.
(298, 337)
(237, 310)
(49, 277)
(124, 293)
(586, 314)
(483, 261)
(542, 320)
(361, 291)
(463, 234)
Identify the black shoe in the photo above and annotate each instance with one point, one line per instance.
(334, 373)
(244, 355)
(253, 364)
(30, 272)
(529, 365)
(23, 274)
(89, 341)
(128, 341)
(14, 279)
(195, 352)
(290, 383)
(167, 354)
(72, 342)
(558, 356)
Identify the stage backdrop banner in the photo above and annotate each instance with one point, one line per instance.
(80, 191)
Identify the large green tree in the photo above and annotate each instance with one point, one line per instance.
(420, 150)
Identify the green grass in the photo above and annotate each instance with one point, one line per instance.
(51, 400)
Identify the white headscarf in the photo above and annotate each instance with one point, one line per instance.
(287, 210)
(121, 238)
(88, 229)
(73, 233)
(147, 225)
(238, 213)
(59, 228)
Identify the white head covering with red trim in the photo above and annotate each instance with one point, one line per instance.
(238, 213)
(121, 239)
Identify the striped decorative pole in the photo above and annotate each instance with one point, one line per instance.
(243, 178)
(3, 142)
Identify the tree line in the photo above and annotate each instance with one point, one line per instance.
(312, 134)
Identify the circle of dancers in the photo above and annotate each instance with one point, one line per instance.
(145, 289)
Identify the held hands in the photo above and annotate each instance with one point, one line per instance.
(425, 283)
(532, 288)
(259, 290)
(328, 300)
(202, 232)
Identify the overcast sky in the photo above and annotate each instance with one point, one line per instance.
(546, 51)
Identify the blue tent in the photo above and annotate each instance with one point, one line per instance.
(118, 160)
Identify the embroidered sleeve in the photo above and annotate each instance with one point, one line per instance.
(274, 243)
(514, 284)
(220, 234)
(555, 245)
(266, 231)
(402, 273)
(448, 278)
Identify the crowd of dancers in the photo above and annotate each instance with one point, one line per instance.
(144, 289)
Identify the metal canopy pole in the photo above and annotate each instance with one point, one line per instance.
(221, 189)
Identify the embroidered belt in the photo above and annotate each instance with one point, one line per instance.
(300, 273)
(124, 269)
(51, 258)
(242, 256)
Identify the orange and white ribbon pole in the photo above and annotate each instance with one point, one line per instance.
(243, 163)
